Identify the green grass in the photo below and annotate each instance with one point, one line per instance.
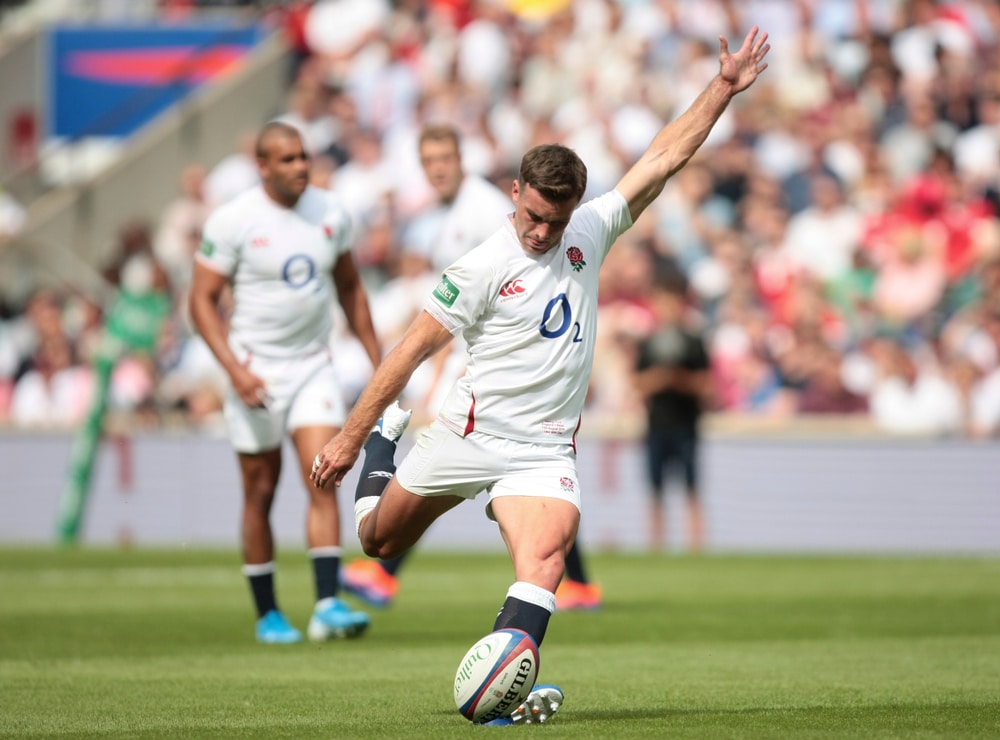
(105, 643)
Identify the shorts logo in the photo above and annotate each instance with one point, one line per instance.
(259, 242)
(446, 291)
(206, 247)
(512, 289)
(567, 484)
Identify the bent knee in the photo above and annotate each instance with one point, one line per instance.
(382, 550)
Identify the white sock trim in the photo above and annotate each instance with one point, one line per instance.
(258, 569)
(533, 594)
(330, 551)
(362, 508)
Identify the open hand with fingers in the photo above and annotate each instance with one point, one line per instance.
(741, 69)
(334, 461)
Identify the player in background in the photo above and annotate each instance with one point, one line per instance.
(468, 210)
(672, 375)
(284, 248)
(509, 424)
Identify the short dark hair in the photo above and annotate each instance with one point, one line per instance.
(272, 129)
(439, 132)
(555, 171)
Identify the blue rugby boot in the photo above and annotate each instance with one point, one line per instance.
(274, 629)
(334, 618)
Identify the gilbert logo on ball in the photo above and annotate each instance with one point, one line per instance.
(496, 675)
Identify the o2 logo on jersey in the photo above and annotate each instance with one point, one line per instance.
(560, 305)
(298, 270)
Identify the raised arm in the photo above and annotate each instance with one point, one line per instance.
(677, 142)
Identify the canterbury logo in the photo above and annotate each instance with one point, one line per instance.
(511, 289)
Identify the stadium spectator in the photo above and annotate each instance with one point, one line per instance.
(365, 185)
(308, 111)
(23, 333)
(690, 215)
(984, 396)
(823, 388)
(285, 248)
(908, 148)
(179, 231)
(234, 173)
(623, 317)
(977, 149)
(55, 392)
(510, 423)
(911, 397)
(821, 238)
(131, 266)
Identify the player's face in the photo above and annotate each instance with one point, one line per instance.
(442, 166)
(284, 170)
(539, 223)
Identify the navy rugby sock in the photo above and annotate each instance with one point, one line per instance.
(261, 580)
(527, 607)
(378, 468)
(391, 566)
(326, 571)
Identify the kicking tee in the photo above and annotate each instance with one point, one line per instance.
(529, 322)
(279, 261)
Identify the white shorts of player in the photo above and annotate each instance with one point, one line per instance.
(443, 463)
(301, 392)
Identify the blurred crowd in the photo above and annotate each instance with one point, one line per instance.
(838, 232)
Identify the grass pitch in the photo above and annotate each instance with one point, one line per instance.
(141, 644)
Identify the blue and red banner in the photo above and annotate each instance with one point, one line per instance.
(110, 81)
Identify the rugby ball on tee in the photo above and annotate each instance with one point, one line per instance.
(496, 675)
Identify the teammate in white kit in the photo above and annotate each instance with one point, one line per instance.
(284, 247)
(525, 302)
(469, 210)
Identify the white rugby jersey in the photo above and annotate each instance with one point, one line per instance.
(529, 322)
(279, 260)
(479, 207)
